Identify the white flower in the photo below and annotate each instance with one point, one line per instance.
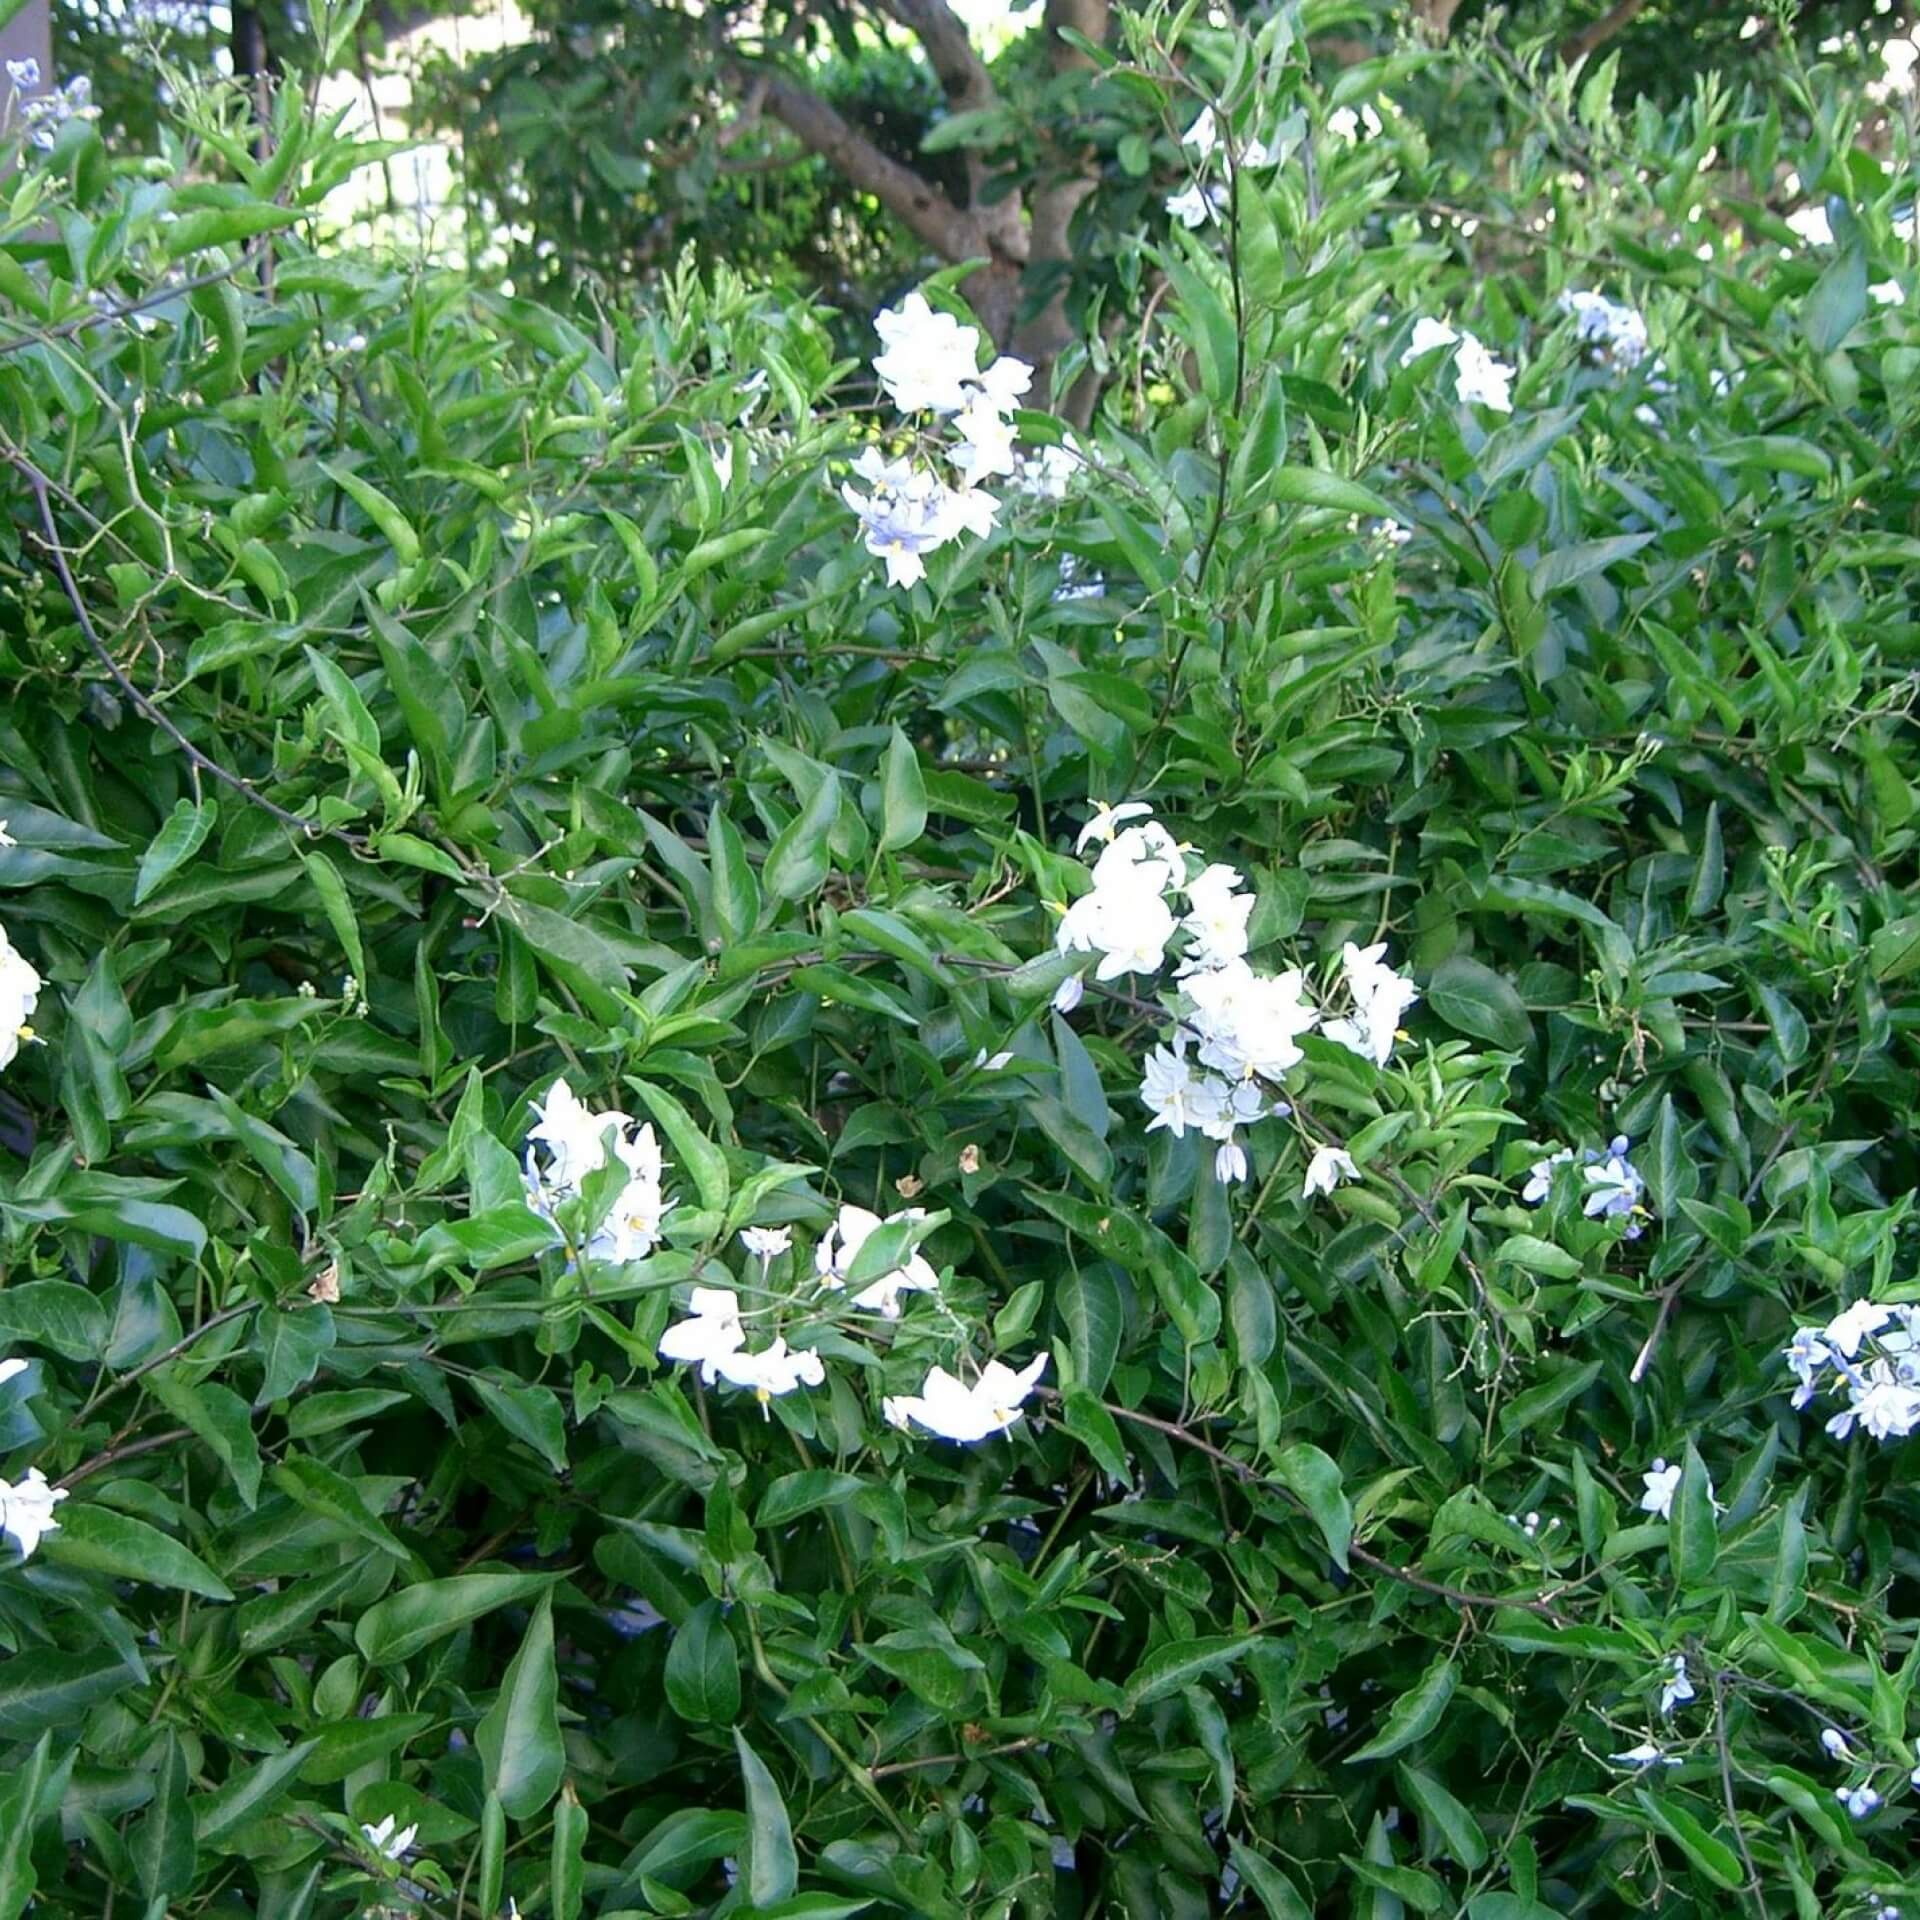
(710, 1333)
(19, 991)
(1125, 920)
(1047, 472)
(26, 1510)
(1661, 1483)
(766, 1244)
(1617, 334)
(1614, 1187)
(1381, 998)
(985, 444)
(1069, 993)
(910, 512)
(955, 1412)
(929, 357)
(1329, 1167)
(1883, 1402)
(1248, 1023)
(7, 839)
(1196, 206)
(1540, 1176)
(992, 1063)
(388, 1844)
(1677, 1687)
(1229, 1162)
(773, 1370)
(1883, 293)
(44, 117)
(1812, 225)
(1836, 1745)
(1845, 1331)
(1858, 1801)
(1478, 378)
(24, 75)
(1217, 918)
(574, 1136)
(11, 1369)
(1143, 856)
(1646, 1754)
(840, 1245)
(1204, 135)
(1806, 1356)
(1108, 820)
(1344, 124)
(1169, 1091)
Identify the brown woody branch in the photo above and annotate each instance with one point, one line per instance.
(1576, 46)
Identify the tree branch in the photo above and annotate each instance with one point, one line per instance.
(960, 70)
(952, 232)
(1576, 46)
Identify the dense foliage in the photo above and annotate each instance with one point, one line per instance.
(418, 698)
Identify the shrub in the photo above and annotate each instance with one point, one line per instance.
(435, 722)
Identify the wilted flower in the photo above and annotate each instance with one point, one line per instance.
(1329, 1168)
(1646, 1754)
(388, 1844)
(1661, 1483)
(840, 1245)
(26, 1510)
(946, 1407)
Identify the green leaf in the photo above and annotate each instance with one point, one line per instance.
(903, 794)
(181, 836)
(799, 859)
(1314, 1481)
(532, 1414)
(397, 1627)
(794, 1494)
(55, 1314)
(1447, 1820)
(222, 1419)
(1693, 1532)
(1087, 1301)
(1272, 1888)
(1711, 1855)
(1838, 302)
(772, 1870)
(246, 1795)
(291, 1342)
(320, 1490)
(1566, 565)
(566, 1875)
(519, 1735)
(703, 1669)
(1414, 1715)
(1474, 999)
(1169, 1668)
(20, 1817)
(1096, 1430)
(380, 510)
(96, 1539)
(702, 1159)
(1314, 487)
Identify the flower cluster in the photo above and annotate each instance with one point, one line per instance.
(1870, 1356)
(45, 114)
(1612, 333)
(1235, 1032)
(930, 364)
(577, 1141)
(19, 991)
(713, 1336)
(1478, 378)
(1615, 1187)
